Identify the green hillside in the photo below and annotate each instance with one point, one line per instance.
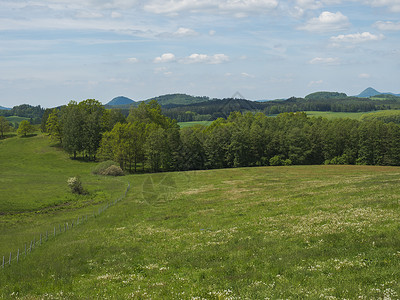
(34, 191)
(246, 233)
(15, 119)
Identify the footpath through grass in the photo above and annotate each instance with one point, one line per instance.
(320, 232)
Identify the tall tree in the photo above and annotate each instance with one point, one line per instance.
(25, 127)
(54, 126)
(4, 126)
(72, 119)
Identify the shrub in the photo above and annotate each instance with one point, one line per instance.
(113, 170)
(287, 162)
(109, 168)
(75, 185)
(101, 167)
(276, 161)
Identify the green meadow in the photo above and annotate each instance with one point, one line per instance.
(317, 232)
(194, 123)
(15, 119)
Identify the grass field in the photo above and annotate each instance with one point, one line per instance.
(320, 232)
(15, 119)
(190, 124)
(323, 114)
(336, 115)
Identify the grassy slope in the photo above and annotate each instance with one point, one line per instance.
(34, 195)
(278, 232)
(15, 119)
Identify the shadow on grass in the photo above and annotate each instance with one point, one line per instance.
(29, 135)
(7, 136)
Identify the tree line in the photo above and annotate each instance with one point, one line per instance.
(321, 101)
(147, 140)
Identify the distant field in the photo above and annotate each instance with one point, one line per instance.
(336, 115)
(324, 114)
(15, 119)
(189, 124)
(317, 232)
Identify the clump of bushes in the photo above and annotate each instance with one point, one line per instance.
(75, 185)
(277, 160)
(108, 168)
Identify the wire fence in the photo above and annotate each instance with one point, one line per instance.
(38, 240)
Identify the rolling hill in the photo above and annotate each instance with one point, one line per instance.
(4, 108)
(120, 100)
(169, 100)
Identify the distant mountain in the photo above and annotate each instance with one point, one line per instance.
(4, 108)
(170, 100)
(121, 100)
(370, 92)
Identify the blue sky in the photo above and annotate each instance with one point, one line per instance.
(55, 51)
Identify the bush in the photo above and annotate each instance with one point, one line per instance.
(276, 161)
(101, 167)
(75, 185)
(113, 170)
(108, 167)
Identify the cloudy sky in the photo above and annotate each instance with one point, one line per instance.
(55, 51)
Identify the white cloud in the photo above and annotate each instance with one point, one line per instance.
(247, 75)
(393, 5)
(183, 32)
(364, 76)
(212, 32)
(327, 22)
(325, 61)
(166, 57)
(180, 33)
(316, 82)
(239, 8)
(133, 60)
(357, 38)
(381, 25)
(204, 58)
(116, 15)
(89, 15)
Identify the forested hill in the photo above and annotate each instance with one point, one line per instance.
(178, 100)
(212, 109)
(26, 111)
(169, 100)
(320, 101)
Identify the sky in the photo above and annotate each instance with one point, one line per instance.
(55, 51)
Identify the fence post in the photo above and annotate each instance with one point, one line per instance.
(54, 230)
(30, 248)
(18, 256)
(3, 261)
(34, 241)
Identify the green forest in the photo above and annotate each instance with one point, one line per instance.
(149, 141)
